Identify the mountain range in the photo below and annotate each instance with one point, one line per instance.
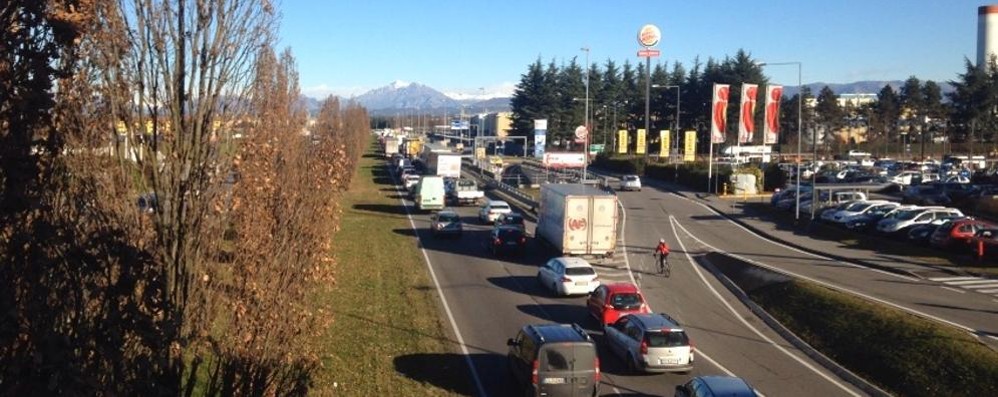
(399, 97)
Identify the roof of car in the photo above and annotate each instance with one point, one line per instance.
(498, 202)
(618, 288)
(571, 261)
(447, 212)
(560, 333)
(656, 320)
(727, 386)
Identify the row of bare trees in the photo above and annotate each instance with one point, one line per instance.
(206, 289)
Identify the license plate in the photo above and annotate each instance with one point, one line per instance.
(554, 381)
(668, 361)
(581, 283)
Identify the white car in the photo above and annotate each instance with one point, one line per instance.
(410, 180)
(915, 216)
(568, 276)
(849, 214)
(492, 209)
(849, 209)
(630, 182)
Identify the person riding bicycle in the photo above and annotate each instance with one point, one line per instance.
(662, 250)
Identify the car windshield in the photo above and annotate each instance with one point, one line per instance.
(667, 339)
(509, 233)
(625, 300)
(908, 214)
(858, 206)
(579, 271)
(499, 207)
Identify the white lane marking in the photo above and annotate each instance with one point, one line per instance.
(989, 291)
(993, 337)
(947, 279)
(623, 240)
(674, 223)
(991, 285)
(440, 292)
(779, 244)
(954, 289)
(970, 282)
(836, 287)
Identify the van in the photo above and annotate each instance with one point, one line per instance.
(430, 193)
(554, 360)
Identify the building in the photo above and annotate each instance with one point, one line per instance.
(987, 33)
(498, 124)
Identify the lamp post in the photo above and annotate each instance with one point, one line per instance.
(585, 147)
(800, 116)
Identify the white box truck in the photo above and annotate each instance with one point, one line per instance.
(577, 219)
(391, 146)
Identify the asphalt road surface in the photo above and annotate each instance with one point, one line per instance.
(488, 299)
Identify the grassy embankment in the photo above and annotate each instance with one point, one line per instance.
(387, 326)
(904, 354)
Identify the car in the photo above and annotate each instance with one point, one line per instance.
(568, 276)
(513, 219)
(554, 360)
(409, 181)
(914, 216)
(650, 342)
(920, 234)
(854, 211)
(828, 214)
(630, 182)
(958, 232)
(148, 203)
(490, 210)
(609, 302)
(984, 244)
(446, 222)
(869, 220)
(507, 240)
(715, 386)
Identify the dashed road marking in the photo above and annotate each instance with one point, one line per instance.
(954, 290)
(967, 283)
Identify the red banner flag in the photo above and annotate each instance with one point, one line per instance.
(771, 130)
(719, 113)
(746, 123)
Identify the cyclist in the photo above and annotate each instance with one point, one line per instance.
(662, 250)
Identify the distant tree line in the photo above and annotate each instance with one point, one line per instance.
(916, 112)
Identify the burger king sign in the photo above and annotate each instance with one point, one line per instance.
(649, 35)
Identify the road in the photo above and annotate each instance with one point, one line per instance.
(488, 299)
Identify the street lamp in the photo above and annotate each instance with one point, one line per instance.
(585, 148)
(800, 116)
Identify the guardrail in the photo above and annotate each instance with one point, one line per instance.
(526, 199)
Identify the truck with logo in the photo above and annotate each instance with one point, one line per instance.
(578, 220)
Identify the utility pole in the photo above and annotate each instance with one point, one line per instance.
(585, 148)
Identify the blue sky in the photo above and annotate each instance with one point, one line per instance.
(348, 47)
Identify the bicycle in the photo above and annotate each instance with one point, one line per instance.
(663, 265)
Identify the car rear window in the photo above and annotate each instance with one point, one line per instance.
(579, 271)
(626, 301)
(630, 178)
(509, 233)
(500, 207)
(568, 357)
(667, 339)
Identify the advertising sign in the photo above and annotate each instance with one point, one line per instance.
(596, 148)
(719, 113)
(622, 142)
(771, 128)
(690, 146)
(746, 122)
(663, 143)
(649, 35)
(640, 144)
(540, 137)
(564, 160)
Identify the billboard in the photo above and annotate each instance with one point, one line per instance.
(540, 137)
(690, 146)
(771, 126)
(622, 142)
(564, 160)
(719, 113)
(640, 144)
(663, 143)
(746, 121)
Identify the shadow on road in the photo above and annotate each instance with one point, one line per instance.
(526, 285)
(559, 313)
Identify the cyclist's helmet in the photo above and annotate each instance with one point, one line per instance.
(661, 240)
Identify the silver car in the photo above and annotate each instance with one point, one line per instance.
(650, 342)
(630, 182)
(446, 222)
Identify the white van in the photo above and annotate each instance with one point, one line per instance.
(430, 193)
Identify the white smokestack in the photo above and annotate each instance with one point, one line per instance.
(987, 34)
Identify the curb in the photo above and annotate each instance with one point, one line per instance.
(814, 354)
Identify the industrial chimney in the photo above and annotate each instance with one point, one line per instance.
(987, 33)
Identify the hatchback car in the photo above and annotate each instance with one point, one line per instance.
(446, 222)
(630, 182)
(651, 342)
(957, 233)
(554, 360)
(609, 302)
(912, 217)
(715, 386)
(507, 240)
(512, 219)
(568, 276)
(492, 209)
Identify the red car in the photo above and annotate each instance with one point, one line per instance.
(984, 244)
(957, 233)
(611, 301)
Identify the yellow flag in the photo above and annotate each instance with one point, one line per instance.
(622, 141)
(690, 149)
(663, 143)
(640, 144)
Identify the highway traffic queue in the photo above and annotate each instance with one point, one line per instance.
(578, 221)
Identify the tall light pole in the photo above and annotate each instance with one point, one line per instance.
(585, 147)
(800, 116)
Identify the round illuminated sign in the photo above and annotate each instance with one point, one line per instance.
(649, 35)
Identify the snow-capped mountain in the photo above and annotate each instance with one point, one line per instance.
(404, 95)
